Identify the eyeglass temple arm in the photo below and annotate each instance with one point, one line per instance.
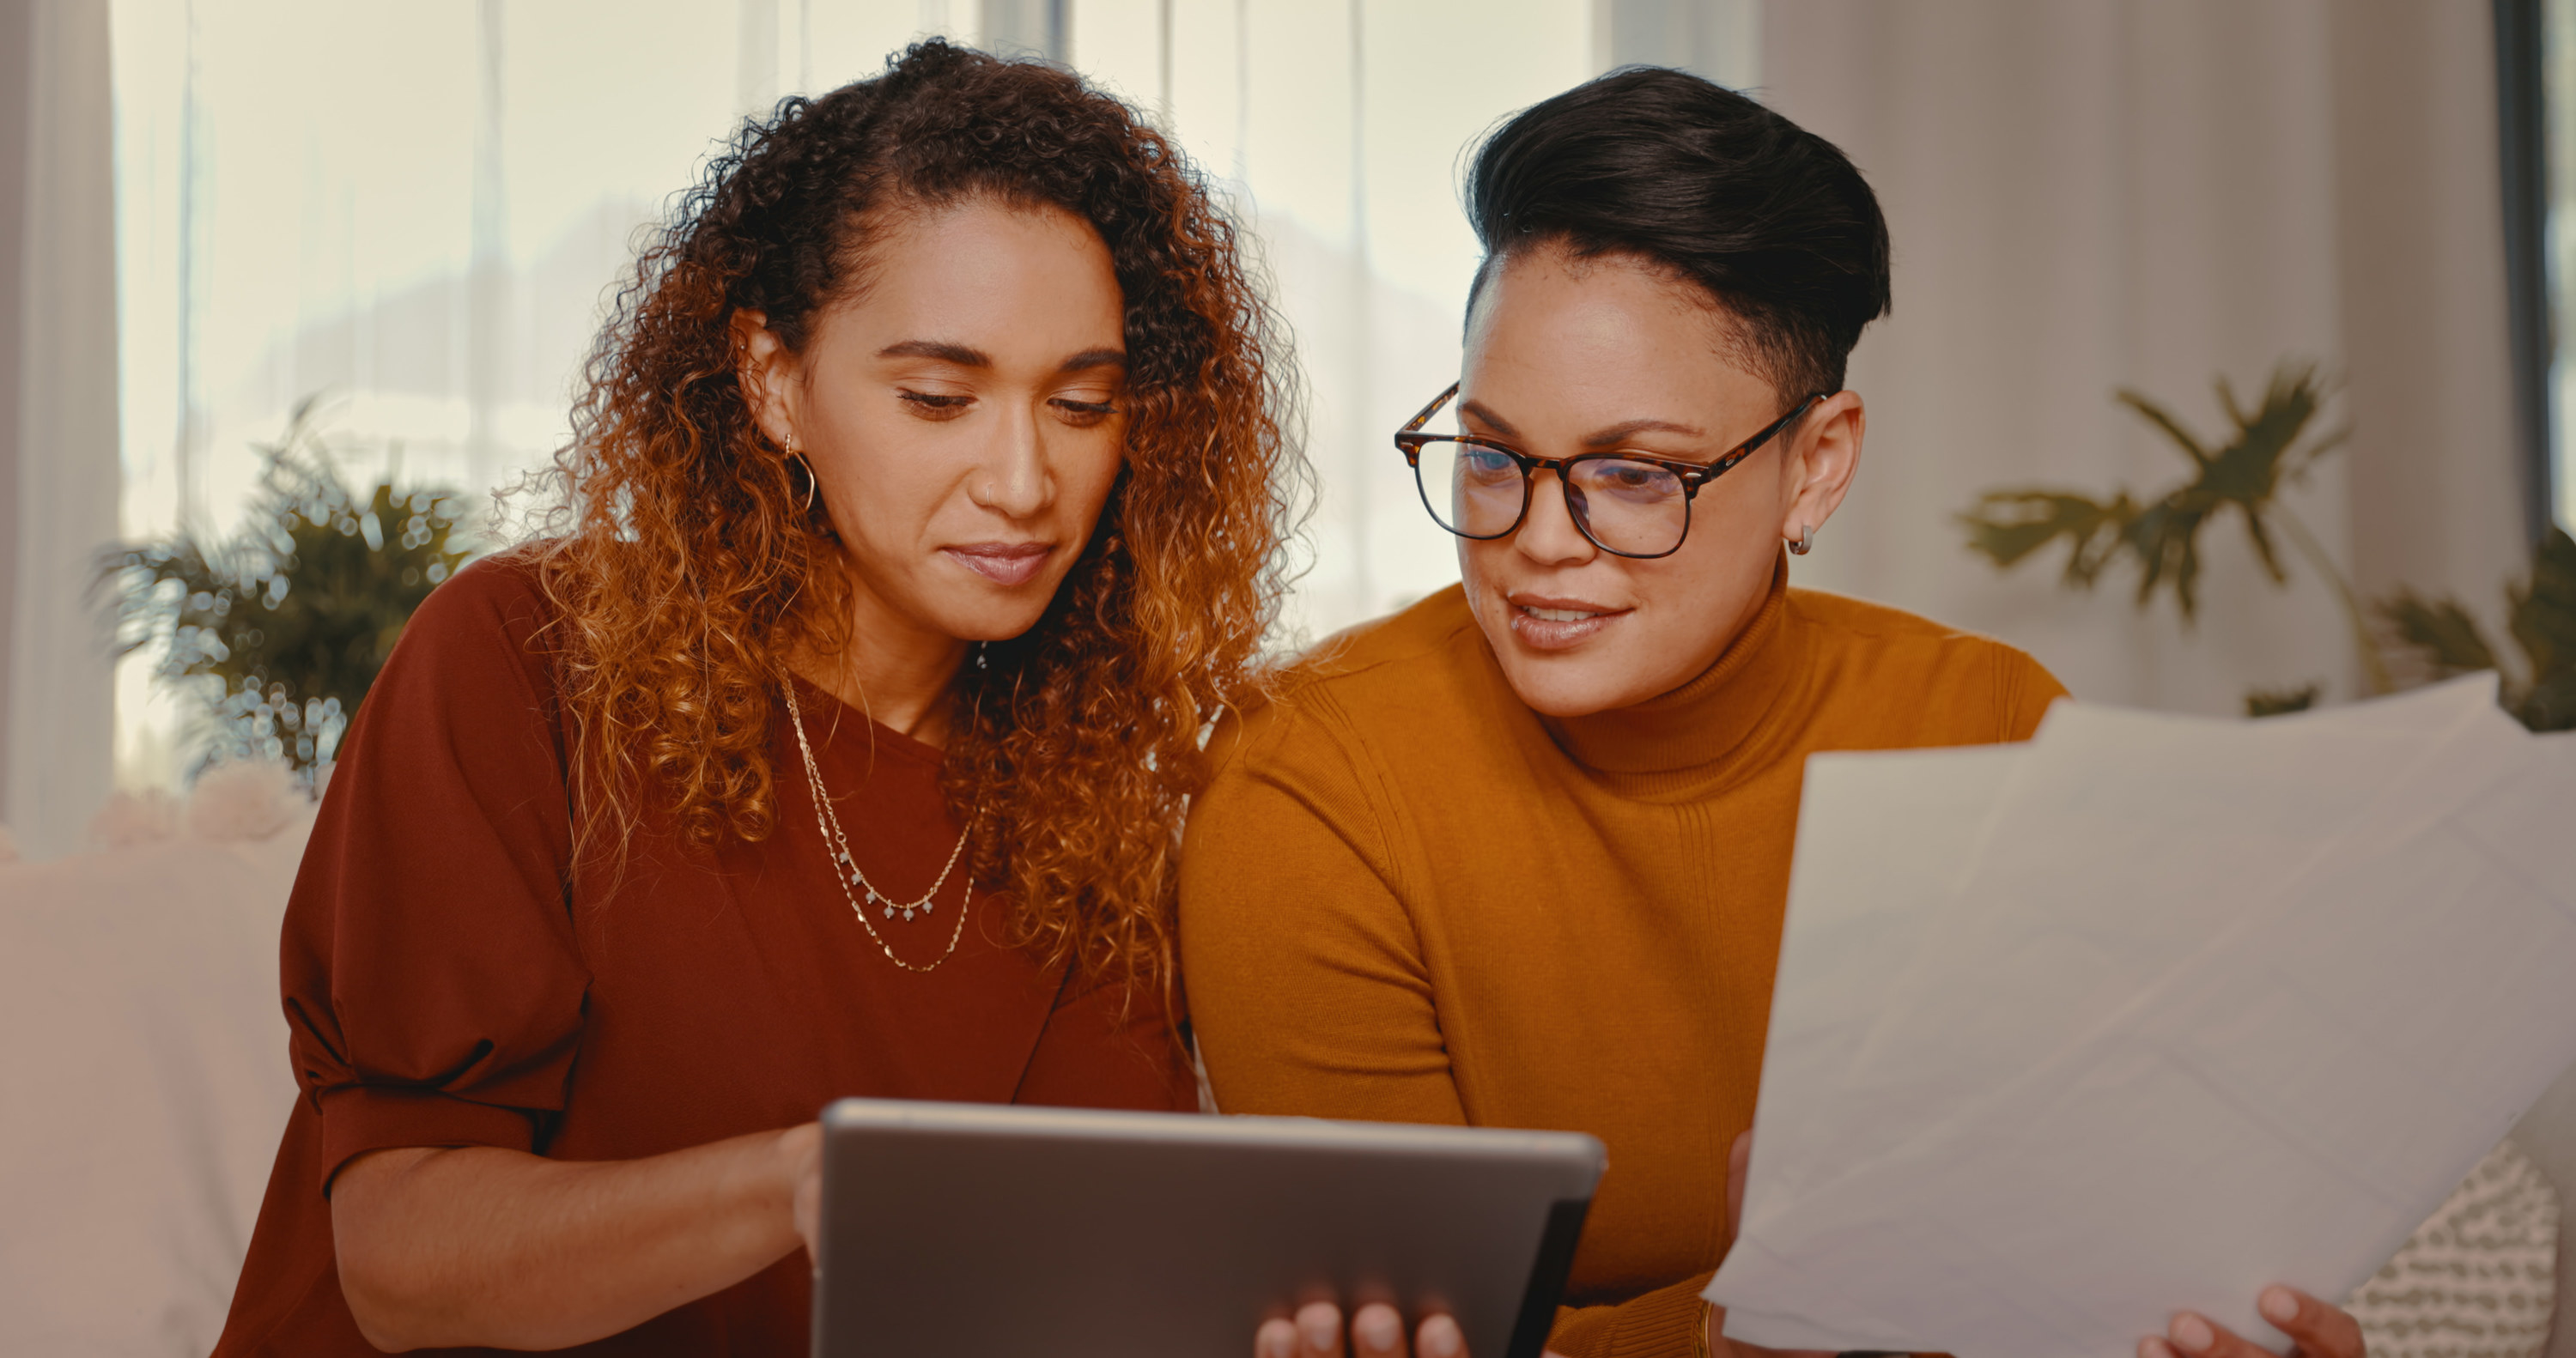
(1414, 425)
(1752, 445)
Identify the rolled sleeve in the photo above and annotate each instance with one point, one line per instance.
(357, 1119)
(433, 984)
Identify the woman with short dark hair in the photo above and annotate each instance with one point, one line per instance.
(920, 515)
(1518, 855)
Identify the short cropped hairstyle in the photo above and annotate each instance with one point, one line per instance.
(1768, 219)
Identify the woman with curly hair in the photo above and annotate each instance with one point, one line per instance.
(920, 518)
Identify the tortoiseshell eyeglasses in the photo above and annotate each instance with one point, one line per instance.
(1628, 504)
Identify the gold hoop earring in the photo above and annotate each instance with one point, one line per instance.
(810, 479)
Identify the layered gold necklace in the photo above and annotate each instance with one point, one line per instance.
(845, 865)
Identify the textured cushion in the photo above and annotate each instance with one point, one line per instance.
(2479, 1279)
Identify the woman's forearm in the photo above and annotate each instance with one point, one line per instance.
(480, 1246)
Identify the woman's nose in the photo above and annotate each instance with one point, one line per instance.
(1548, 534)
(1015, 480)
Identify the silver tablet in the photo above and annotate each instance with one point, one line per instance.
(981, 1229)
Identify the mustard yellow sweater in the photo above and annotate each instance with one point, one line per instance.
(1409, 898)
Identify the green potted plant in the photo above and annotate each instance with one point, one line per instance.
(278, 630)
(2268, 446)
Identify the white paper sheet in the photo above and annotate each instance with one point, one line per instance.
(2262, 1083)
(2133, 836)
(1889, 841)
(1882, 840)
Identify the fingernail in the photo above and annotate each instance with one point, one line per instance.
(2279, 1307)
(1320, 1326)
(1440, 1338)
(1275, 1339)
(2152, 1347)
(2192, 1332)
(1377, 1327)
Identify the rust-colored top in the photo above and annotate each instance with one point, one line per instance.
(1409, 897)
(452, 980)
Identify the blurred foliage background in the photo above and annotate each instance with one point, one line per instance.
(277, 631)
(2270, 445)
(2540, 616)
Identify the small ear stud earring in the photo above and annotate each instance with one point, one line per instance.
(1806, 540)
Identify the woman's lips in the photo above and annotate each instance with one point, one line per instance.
(1558, 624)
(1003, 563)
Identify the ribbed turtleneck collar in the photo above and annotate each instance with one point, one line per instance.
(1706, 720)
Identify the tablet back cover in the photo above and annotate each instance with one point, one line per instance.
(975, 1229)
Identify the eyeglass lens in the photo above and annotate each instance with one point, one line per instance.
(1631, 507)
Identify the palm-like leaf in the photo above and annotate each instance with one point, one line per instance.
(2440, 632)
(2541, 618)
(2165, 538)
(2544, 625)
(2244, 473)
(2269, 443)
(2281, 702)
(2010, 525)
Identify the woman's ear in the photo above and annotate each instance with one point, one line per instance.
(767, 370)
(1823, 456)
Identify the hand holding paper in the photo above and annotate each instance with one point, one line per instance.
(2145, 1016)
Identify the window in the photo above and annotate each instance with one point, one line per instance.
(416, 209)
(2536, 87)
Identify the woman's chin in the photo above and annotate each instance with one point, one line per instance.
(982, 620)
(1562, 684)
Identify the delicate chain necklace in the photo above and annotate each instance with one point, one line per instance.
(845, 866)
(839, 846)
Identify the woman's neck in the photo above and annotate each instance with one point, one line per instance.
(892, 668)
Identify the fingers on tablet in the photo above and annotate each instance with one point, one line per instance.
(1275, 1339)
(1376, 1331)
(1319, 1330)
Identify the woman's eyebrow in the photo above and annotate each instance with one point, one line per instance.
(1620, 433)
(963, 355)
(1487, 417)
(968, 356)
(1610, 437)
(1094, 358)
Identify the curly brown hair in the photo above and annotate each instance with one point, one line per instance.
(690, 562)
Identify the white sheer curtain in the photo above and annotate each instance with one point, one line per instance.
(2089, 194)
(416, 209)
(61, 502)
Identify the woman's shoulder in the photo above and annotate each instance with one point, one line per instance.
(1369, 654)
(1878, 656)
(1397, 677)
(495, 606)
(483, 643)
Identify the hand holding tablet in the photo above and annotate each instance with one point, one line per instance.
(1376, 1331)
(969, 1228)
